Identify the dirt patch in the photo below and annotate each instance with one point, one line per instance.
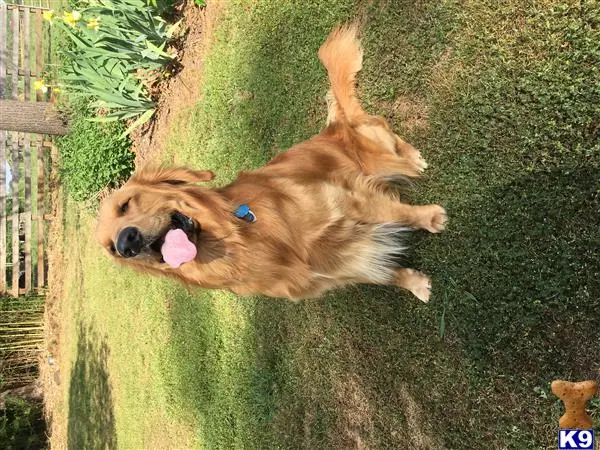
(412, 113)
(182, 91)
(418, 429)
(355, 422)
(52, 364)
(444, 74)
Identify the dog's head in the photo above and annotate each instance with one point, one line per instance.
(134, 220)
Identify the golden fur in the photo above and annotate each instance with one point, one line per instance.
(326, 213)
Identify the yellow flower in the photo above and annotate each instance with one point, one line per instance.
(39, 85)
(48, 15)
(94, 24)
(71, 18)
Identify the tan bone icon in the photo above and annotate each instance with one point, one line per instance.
(575, 396)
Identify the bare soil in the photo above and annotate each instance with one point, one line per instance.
(181, 91)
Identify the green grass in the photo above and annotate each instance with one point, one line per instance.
(116, 392)
(503, 101)
(94, 155)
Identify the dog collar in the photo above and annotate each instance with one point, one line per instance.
(245, 213)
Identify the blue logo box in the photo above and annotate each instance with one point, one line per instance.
(575, 439)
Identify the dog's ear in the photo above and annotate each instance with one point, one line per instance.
(171, 175)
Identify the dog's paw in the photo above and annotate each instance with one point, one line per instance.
(422, 288)
(418, 283)
(405, 150)
(420, 162)
(417, 159)
(436, 219)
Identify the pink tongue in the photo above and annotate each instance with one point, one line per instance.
(177, 248)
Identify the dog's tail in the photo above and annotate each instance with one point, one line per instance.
(341, 54)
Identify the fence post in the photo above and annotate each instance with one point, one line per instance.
(28, 117)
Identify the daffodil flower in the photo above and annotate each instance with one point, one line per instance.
(71, 18)
(94, 24)
(39, 85)
(48, 15)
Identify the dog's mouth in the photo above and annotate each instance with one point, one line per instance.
(181, 222)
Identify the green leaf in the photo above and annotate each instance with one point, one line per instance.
(103, 119)
(139, 122)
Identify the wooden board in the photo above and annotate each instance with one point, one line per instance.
(14, 30)
(3, 25)
(3, 136)
(40, 215)
(39, 67)
(29, 8)
(3, 245)
(26, 38)
(16, 266)
(23, 72)
(39, 54)
(27, 212)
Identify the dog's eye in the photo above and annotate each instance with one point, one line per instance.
(124, 207)
(112, 248)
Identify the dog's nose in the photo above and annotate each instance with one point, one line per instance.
(129, 242)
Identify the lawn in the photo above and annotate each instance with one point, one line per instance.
(503, 100)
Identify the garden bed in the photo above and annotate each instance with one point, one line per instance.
(176, 95)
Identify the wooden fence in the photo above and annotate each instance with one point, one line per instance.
(24, 158)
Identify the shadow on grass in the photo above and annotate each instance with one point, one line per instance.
(523, 277)
(519, 272)
(91, 415)
(337, 372)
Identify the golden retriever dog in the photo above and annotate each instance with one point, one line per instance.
(321, 215)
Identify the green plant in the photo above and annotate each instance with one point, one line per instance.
(117, 46)
(21, 425)
(93, 156)
(163, 7)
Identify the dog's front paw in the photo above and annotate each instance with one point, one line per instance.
(435, 219)
(421, 287)
(416, 282)
(415, 157)
(405, 150)
(420, 162)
